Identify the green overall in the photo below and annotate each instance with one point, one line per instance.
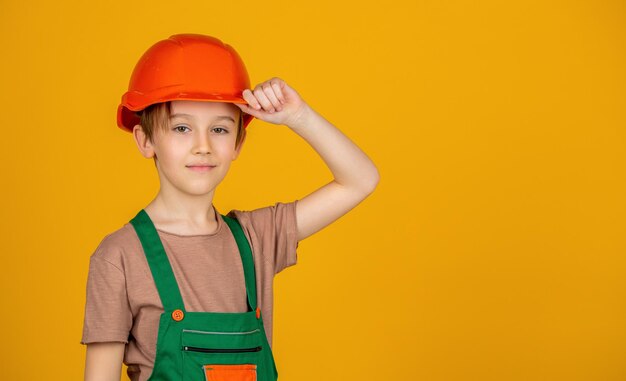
(210, 346)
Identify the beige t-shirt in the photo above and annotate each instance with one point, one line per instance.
(123, 304)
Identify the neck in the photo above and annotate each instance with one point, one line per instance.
(183, 214)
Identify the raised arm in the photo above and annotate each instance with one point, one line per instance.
(355, 175)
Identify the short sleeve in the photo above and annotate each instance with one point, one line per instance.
(108, 317)
(274, 231)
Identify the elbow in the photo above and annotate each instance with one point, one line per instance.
(370, 182)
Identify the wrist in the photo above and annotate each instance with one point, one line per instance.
(302, 118)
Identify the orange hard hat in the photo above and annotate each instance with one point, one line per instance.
(184, 67)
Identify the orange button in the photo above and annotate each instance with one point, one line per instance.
(258, 312)
(178, 315)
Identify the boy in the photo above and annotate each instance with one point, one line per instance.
(167, 294)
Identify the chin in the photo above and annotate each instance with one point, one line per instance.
(200, 192)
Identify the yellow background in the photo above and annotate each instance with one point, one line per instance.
(493, 248)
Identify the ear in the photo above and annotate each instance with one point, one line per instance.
(238, 149)
(143, 143)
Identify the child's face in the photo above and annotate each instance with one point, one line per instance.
(194, 153)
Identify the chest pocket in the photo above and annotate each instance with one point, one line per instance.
(228, 356)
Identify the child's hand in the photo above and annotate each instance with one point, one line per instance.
(273, 101)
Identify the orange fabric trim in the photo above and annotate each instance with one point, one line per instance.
(240, 372)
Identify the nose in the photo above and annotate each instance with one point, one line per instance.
(202, 143)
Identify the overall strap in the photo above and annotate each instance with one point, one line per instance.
(159, 264)
(246, 259)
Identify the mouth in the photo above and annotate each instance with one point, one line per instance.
(200, 167)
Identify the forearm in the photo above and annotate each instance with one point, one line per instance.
(350, 166)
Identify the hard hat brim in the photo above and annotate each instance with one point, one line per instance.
(127, 116)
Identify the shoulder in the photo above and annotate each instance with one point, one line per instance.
(279, 212)
(273, 233)
(116, 246)
(268, 220)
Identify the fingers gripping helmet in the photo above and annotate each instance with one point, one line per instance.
(184, 67)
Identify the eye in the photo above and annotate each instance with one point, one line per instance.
(180, 128)
(220, 130)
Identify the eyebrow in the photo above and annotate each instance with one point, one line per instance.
(221, 117)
